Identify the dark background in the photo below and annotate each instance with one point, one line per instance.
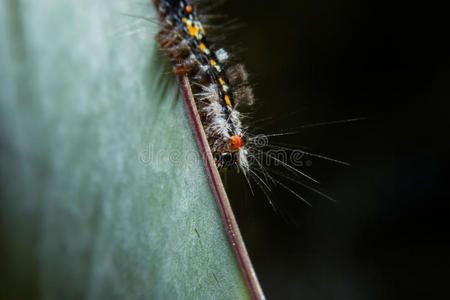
(386, 236)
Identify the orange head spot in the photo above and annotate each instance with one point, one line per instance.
(236, 142)
(189, 9)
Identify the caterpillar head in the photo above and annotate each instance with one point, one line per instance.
(234, 153)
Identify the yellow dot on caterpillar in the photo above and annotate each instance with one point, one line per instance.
(227, 100)
(221, 81)
(203, 48)
(192, 29)
(212, 62)
(183, 20)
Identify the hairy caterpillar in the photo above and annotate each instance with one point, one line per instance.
(219, 90)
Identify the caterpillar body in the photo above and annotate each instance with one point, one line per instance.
(218, 88)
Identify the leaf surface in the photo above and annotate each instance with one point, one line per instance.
(104, 194)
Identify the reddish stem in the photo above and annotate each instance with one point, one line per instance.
(223, 203)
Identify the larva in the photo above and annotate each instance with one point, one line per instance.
(218, 89)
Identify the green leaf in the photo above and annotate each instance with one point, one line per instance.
(104, 194)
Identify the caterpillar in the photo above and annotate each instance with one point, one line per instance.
(218, 88)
